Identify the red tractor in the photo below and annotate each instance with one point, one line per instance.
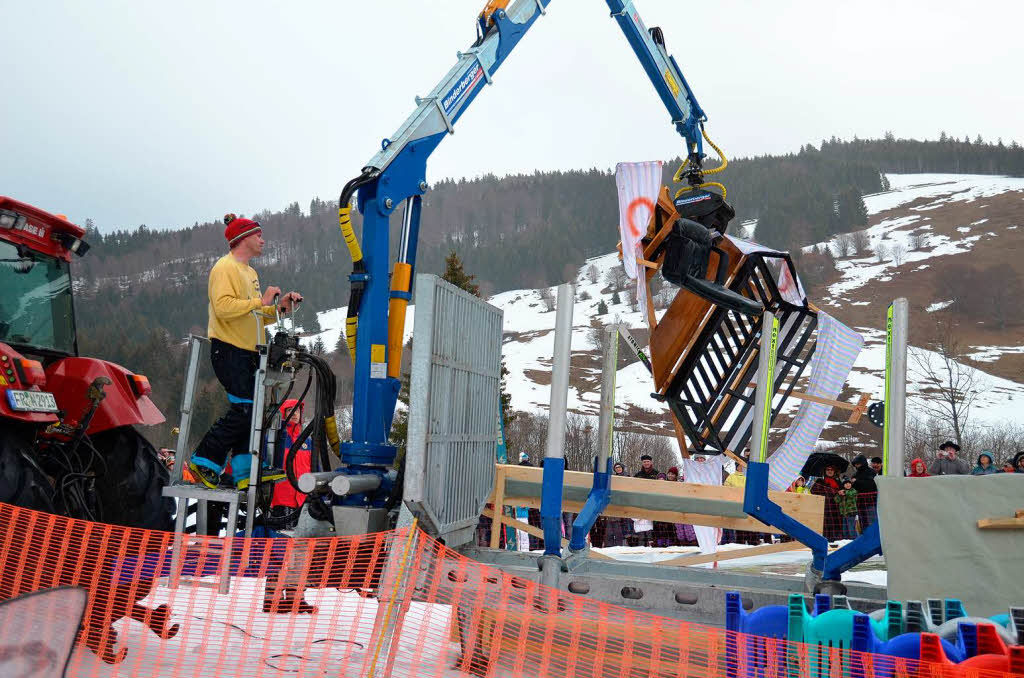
(67, 439)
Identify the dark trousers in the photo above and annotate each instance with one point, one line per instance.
(236, 371)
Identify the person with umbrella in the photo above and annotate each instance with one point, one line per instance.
(827, 466)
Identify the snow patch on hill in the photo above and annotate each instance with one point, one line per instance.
(529, 325)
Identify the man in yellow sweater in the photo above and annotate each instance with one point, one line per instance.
(237, 314)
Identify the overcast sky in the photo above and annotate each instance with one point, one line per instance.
(168, 113)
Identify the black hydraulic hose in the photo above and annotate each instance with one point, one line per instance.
(358, 267)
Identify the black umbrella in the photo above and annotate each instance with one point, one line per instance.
(818, 461)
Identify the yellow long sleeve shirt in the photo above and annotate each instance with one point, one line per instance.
(234, 291)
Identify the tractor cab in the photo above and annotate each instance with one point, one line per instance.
(36, 309)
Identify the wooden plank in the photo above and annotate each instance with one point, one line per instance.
(537, 532)
(793, 504)
(498, 503)
(862, 409)
(807, 508)
(1016, 523)
(839, 404)
(684, 449)
(734, 554)
(736, 458)
(612, 511)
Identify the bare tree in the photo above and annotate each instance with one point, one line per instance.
(918, 240)
(595, 334)
(629, 446)
(881, 253)
(580, 440)
(547, 298)
(898, 253)
(616, 278)
(844, 245)
(860, 242)
(953, 386)
(592, 274)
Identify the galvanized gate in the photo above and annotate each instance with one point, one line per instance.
(454, 409)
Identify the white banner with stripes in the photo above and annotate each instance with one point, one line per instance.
(837, 349)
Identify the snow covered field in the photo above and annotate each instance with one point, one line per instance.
(221, 634)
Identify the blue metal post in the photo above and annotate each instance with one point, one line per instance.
(554, 456)
(600, 493)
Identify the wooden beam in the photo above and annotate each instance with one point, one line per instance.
(806, 508)
(1014, 523)
(736, 458)
(498, 503)
(862, 409)
(839, 404)
(535, 531)
(733, 554)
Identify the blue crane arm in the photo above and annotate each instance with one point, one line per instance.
(396, 175)
(665, 75)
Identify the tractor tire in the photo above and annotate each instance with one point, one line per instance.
(129, 489)
(22, 482)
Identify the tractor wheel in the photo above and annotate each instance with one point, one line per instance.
(22, 482)
(129, 490)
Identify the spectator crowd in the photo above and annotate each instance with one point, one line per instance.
(850, 500)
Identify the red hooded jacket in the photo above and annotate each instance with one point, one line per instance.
(284, 494)
(915, 465)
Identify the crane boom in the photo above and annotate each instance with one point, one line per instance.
(397, 175)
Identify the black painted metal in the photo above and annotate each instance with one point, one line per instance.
(707, 395)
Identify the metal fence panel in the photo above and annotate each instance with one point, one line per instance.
(454, 408)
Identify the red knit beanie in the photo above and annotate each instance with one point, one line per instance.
(239, 228)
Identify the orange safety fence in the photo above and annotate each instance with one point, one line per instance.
(388, 604)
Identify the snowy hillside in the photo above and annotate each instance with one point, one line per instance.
(917, 204)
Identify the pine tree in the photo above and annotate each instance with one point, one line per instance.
(615, 298)
(456, 274)
(602, 308)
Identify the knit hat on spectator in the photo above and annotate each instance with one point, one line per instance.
(674, 470)
(524, 456)
(239, 228)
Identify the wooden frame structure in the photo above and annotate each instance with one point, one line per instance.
(655, 500)
(704, 356)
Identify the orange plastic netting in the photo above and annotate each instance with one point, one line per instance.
(394, 603)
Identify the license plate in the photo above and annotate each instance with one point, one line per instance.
(32, 401)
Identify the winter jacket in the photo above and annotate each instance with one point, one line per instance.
(736, 480)
(864, 477)
(284, 494)
(949, 467)
(847, 502)
(647, 475)
(917, 469)
(980, 470)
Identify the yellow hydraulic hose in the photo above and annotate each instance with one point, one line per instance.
(345, 222)
(678, 177)
(706, 184)
(352, 321)
(725, 160)
(396, 316)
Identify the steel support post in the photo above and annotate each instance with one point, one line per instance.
(259, 396)
(765, 386)
(181, 451)
(897, 326)
(554, 456)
